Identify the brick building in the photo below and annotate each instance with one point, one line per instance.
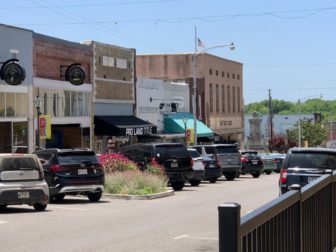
(68, 105)
(219, 98)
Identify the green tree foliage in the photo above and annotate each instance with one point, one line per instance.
(314, 133)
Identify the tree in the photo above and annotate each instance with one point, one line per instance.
(279, 143)
(314, 133)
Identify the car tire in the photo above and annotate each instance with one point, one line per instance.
(40, 207)
(58, 197)
(213, 180)
(256, 175)
(178, 185)
(194, 182)
(268, 172)
(94, 197)
(238, 175)
(2, 207)
(230, 176)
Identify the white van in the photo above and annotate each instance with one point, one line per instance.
(22, 181)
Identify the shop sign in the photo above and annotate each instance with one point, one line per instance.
(140, 131)
(45, 126)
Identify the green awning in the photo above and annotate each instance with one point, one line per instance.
(174, 124)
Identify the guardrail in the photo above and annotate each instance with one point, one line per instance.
(297, 221)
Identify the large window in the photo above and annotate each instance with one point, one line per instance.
(233, 99)
(223, 98)
(217, 98)
(211, 98)
(228, 99)
(13, 104)
(59, 103)
(238, 98)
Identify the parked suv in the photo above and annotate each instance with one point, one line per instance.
(71, 172)
(22, 181)
(303, 165)
(173, 156)
(227, 157)
(251, 163)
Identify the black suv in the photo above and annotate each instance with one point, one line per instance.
(71, 172)
(227, 157)
(173, 156)
(303, 165)
(251, 163)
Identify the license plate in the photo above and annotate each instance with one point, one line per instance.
(23, 195)
(174, 165)
(212, 166)
(310, 179)
(255, 162)
(82, 171)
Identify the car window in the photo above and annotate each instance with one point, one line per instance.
(209, 150)
(77, 157)
(171, 151)
(199, 149)
(312, 160)
(18, 163)
(194, 153)
(226, 149)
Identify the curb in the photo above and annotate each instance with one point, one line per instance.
(140, 197)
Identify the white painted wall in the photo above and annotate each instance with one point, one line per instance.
(161, 92)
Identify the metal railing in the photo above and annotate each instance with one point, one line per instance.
(297, 221)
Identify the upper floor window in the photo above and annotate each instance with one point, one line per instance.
(121, 63)
(13, 104)
(233, 99)
(108, 61)
(223, 98)
(228, 99)
(238, 98)
(216, 72)
(233, 76)
(210, 71)
(211, 97)
(217, 98)
(238, 76)
(223, 74)
(228, 75)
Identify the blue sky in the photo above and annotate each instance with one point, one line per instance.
(286, 46)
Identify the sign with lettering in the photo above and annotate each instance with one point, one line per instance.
(139, 131)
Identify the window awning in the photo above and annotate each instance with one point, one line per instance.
(122, 126)
(174, 124)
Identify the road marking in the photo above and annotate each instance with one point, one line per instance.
(69, 208)
(186, 236)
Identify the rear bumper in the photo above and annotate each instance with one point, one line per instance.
(70, 189)
(180, 176)
(231, 168)
(198, 175)
(213, 173)
(252, 169)
(33, 196)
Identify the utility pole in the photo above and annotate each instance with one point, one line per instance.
(270, 119)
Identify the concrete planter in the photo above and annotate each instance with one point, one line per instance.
(140, 197)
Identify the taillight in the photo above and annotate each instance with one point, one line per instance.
(243, 159)
(55, 168)
(283, 176)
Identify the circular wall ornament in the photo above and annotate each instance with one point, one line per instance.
(12, 73)
(75, 74)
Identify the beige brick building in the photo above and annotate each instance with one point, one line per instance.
(219, 87)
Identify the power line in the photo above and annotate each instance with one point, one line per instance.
(210, 18)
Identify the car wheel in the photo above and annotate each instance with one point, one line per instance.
(58, 197)
(177, 186)
(2, 207)
(230, 176)
(256, 175)
(268, 172)
(94, 197)
(238, 174)
(213, 180)
(40, 207)
(194, 182)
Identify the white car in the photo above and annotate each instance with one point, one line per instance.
(22, 181)
(198, 167)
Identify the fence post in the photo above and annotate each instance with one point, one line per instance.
(229, 227)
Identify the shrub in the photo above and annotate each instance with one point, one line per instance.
(155, 168)
(113, 162)
(134, 183)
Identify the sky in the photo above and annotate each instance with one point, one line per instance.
(286, 46)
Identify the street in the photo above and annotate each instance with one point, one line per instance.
(187, 221)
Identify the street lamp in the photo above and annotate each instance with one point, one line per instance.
(196, 53)
(305, 98)
(185, 120)
(37, 105)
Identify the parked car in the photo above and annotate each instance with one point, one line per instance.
(22, 181)
(72, 172)
(279, 159)
(251, 163)
(198, 167)
(173, 156)
(303, 165)
(270, 164)
(227, 157)
(212, 170)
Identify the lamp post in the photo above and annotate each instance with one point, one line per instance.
(196, 53)
(185, 120)
(305, 98)
(37, 105)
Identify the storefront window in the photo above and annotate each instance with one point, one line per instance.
(10, 104)
(21, 104)
(67, 103)
(80, 104)
(74, 104)
(20, 134)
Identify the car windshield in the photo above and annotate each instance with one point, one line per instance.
(172, 151)
(194, 153)
(18, 163)
(226, 149)
(312, 160)
(77, 157)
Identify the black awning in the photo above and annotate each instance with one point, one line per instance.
(122, 126)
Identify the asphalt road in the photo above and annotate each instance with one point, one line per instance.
(187, 221)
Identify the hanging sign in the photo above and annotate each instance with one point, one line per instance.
(45, 126)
